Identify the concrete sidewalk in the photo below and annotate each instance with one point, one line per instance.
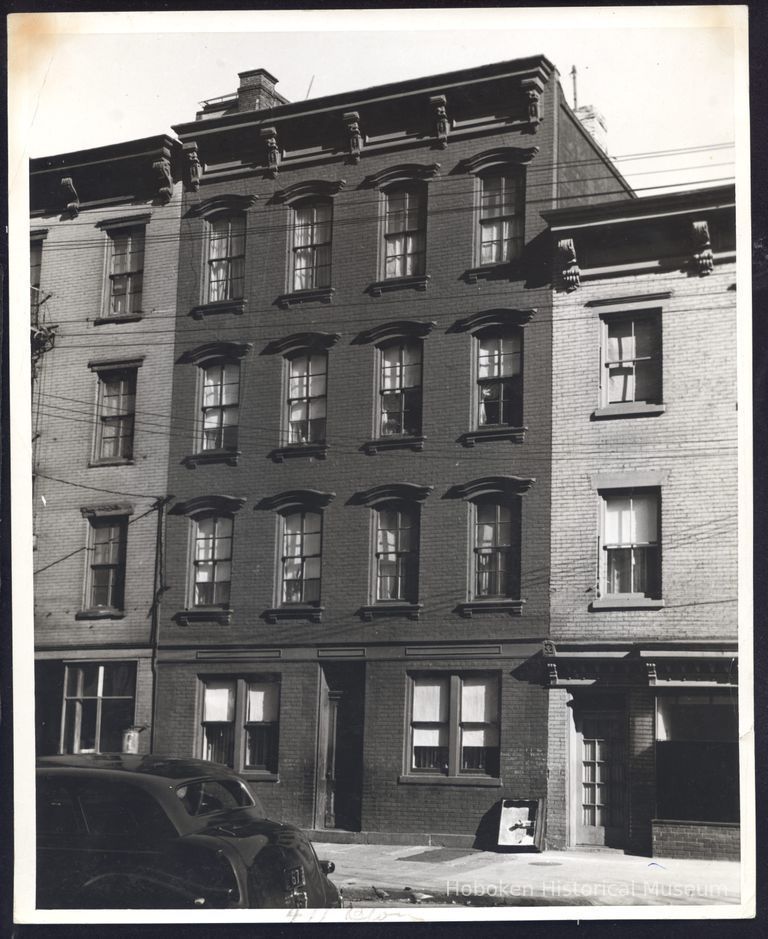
(397, 874)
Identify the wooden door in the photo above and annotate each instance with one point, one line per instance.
(599, 787)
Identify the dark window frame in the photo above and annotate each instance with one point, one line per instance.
(220, 595)
(413, 256)
(237, 738)
(121, 416)
(317, 252)
(231, 261)
(74, 701)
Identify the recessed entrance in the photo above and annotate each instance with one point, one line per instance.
(340, 746)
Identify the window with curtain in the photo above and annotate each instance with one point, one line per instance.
(126, 271)
(400, 388)
(220, 405)
(500, 378)
(99, 704)
(497, 549)
(116, 415)
(301, 556)
(630, 554)
(632, 358)
(397, 552)
(226, 258)
(501, 216)
(106, 562)
(240, 723)
(212, 561)
(311, 245)
(455, 724)
(307, 381)
(405, 232)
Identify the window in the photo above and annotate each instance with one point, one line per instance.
(106, 564)
(630, 555)
(220, 405)
(697, 757)
(311, 251)
(631, 359)
(307, 376)
(301, 547)
(405, 233)
(455, 725)
(226, 258)
(500, 378)
(126, 271)
(397, 552)
(116, 412)
(501, 217)
(35, 266)
(98, 706)
(400, 388)
(212, 561)
(240, 723)
(497, 549)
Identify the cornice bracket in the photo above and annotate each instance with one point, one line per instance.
(355, 139)
(568, 269)
(70, 197)
(442, 124)
(162, 170)
(273, 155)
(194, 169)
(702, 248)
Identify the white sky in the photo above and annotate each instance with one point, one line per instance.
(664, 78)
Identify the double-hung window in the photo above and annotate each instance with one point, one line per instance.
(240, 723)
(630, 556)
(496, 549)
(307, 379)
(99, 704)
(311, 245)
(302, 533)
(220, 405)
(400, 388)
(126, 271)
(405, 232)
(35, 266)
(454, 724)
(631, 359)
(397, 552)
(106, 562)
(226, 258)
(501, 216)
(116, 412)
(212, 561)
(500, 378)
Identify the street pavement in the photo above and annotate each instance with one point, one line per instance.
(396, 875)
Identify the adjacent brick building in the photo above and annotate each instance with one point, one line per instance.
(104, 253)
(643, 745)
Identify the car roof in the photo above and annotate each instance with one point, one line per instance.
(168, 769)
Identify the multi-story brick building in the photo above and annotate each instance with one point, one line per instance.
(358, 551)
(643, 743)
(104, 252)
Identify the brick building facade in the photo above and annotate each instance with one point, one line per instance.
(104, 253)
(354, 539)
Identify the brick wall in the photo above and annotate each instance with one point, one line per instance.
(705, 840)
(558, 772)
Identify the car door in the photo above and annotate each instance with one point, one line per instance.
(64, 860)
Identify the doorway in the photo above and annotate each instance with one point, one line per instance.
(340, 746)
(598, 776)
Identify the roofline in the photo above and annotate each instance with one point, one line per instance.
(349, 99)
(690, 200)
(108, 153)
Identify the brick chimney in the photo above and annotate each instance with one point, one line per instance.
(593, 123)
(257, 91)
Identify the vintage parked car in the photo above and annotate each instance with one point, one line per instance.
(143, 832)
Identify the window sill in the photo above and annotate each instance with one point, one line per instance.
(482, 434)
(307, 450)
(507, 270)
(118, 318)
(100, 614)
(435, 780)
(229, 457)
(314, 614)
(218, 306)
(395, 442)
(512, 607)
(313, 295)
(390, 608)
(626, 601)
(210, 614)
(412, 282)
(627, 409)
(257, 776)
(125, 461)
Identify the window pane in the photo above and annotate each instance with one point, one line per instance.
(479, 700)
(116, 716)
(262, 701)
(430, 699)
(618, 520)
(645, 512)
(619, 570)
(219, 701)
(430, 736)
(119, 679)
(218, 743)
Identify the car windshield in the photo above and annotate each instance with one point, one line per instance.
(204, 796)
